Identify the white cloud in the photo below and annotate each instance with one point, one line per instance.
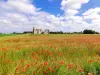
(93, 16)
(19, 5)
(71, 6)
(21, 15)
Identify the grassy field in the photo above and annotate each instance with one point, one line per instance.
(59, 54)
(2, 35)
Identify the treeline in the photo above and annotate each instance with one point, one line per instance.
(86, 31)
(59, 32)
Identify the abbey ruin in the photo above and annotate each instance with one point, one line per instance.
(39, 31)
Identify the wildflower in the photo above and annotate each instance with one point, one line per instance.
(45, 63)
(36, 62)
(35, 72)
(62, 62)
(4, 49)
(52, 71)
(49, 68)
(1, 57)
(56, 66)
(90, 61)
(21, 61)
(33, 53)
(98, 59)
(80, 70)
(95, 72)
(28, 65)
(23, 70)
(9, 61)
(45, 72)
(17, 69)
(77, 66)
(89, 73)
(74, 51)
(70, 66)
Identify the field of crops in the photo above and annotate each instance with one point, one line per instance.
(59, 54)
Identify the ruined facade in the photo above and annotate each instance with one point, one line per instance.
(39, 31)
(46, 31)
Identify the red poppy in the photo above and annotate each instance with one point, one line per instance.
(62, 62)
(45, 63)
(45, 72)
(56, 66)
(90, 61)
(74, 51)
(35, 72)
(89, 73)
(53, 71)
(23, 70)
(70, 66)
(49, 68)
(80, 70)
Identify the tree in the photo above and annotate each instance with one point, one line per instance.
(87, 31)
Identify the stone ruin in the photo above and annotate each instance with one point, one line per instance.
(39, 31)
(46, 31)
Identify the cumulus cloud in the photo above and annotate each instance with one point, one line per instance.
(23, 6)
(14, 15)
(93, 16)
(71, 7)
(21, 15)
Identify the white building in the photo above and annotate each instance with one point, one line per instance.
(37, 31)
(46, 31)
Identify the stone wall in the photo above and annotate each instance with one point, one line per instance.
(46, 31)
(37, 31)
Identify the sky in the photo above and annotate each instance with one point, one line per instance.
(55, 15)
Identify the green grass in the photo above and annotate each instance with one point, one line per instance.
(50, 55)
(2, 35)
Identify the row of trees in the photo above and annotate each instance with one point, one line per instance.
(86, 31)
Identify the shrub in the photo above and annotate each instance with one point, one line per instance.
(86, 31)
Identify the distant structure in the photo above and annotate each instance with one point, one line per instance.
(25, 32)
(46, 31)
(39, 31)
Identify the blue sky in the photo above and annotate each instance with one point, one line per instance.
(56, 15)
(53, 6)
(89, 5)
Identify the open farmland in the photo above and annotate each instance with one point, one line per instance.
(60, 54)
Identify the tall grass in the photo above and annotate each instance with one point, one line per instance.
(50, 55)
